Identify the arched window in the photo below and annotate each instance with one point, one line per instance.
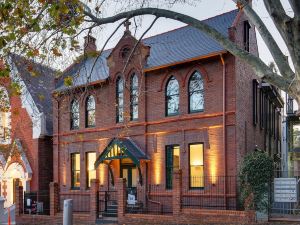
(172, 97)
(196, 93)
(134, 98)
(120, 100)
(90, 107)
(74, 114)
(5, 117)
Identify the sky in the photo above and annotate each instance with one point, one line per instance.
(203, 9)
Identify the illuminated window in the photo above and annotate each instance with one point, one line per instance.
(90, 167)
(134, 98)
(172, 97)
(196, 93)
(74, 114)
(75, 170)
(120, 100)
(90, 119)
(172, 163)
(196, 165)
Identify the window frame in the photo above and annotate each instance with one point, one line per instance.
(118, 94)
(72, 127)
(189, 94)
(255, 88)
(189, 165)
(89, 110)
(167, 100)
(246, 38)
(74, 171)
(133, 96)
(167, 181)
(86, 168)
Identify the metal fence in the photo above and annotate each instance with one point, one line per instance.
(37, 202)
(210, 192)
(81, 201)
(106, 199)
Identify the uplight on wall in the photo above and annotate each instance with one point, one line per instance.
(102, 173)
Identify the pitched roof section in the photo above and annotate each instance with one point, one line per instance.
(39, 80)
(171, 47)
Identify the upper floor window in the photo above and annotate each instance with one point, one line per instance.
(90, 106)
(196, 93)
(134, 98)
(120, 100)
(246, 35)
(5, 120)
(74, 114)
(172, 97)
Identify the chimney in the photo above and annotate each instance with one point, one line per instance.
(89, 44)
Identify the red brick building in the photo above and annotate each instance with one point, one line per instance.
(178, 101)
(26, 127)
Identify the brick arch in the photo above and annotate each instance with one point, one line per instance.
(115, 77)
(202, 72)
(131, 71)
(166, 79)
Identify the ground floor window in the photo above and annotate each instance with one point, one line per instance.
(172, 162)
(196, 165)
(75, 170)
(90, 168)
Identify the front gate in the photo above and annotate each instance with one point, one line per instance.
(106, 199)
(285, 195)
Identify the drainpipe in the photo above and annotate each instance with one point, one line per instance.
(224, 127)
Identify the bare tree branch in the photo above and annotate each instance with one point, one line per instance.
(256, 63)
(279, 58)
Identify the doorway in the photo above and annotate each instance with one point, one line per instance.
(129, 172)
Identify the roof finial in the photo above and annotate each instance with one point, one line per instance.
(127, 23)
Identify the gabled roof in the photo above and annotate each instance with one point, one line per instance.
(39, 80)
(119, 148)
(167, 48)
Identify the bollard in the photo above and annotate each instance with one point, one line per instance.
(68, 212)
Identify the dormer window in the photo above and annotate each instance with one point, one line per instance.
(246, 36)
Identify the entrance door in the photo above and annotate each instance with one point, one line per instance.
(130, 173)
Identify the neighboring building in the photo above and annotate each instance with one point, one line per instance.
(25, 127)
(291, 138)
(182, 101)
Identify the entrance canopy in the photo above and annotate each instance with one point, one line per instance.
(121, 148)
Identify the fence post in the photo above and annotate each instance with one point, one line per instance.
(94, 200)
(177, 191)
(54, 198)
(121, 191)
(19, 197)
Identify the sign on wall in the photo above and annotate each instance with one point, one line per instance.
(285, 189)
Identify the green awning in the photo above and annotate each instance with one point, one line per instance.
(120, 148)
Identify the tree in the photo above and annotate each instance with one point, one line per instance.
(39, 27)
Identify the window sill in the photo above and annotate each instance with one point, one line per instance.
(196, 111)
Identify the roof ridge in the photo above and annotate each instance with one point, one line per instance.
(178, 28)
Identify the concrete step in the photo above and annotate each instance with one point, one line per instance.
(107, 220)
(108, 214)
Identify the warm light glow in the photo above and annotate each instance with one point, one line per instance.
(213, 170)
(102, 173)
(157, 168)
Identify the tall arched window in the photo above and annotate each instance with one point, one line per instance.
(90, 107)
(74, 114)
(196, 93)
(134, 98)
(120, 100)
(172, 97)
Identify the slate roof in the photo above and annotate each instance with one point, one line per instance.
(167, 48)
(40, 85)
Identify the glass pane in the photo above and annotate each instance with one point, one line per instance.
(134, 177)
(120, 85)
(173, 104)
(196, 155)
(196, 101)
(75, 160)
(296, 136)
(197, 176)
(125, 175)
(90, 103)
(173, 87)
(176, 157)
(91, 118)
(196, 82)
(135, 112)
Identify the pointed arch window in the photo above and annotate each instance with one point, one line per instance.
(196, 93)
(134, 98)
(74, 114)
(90, 106)
(120, 100)
(172, 97)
